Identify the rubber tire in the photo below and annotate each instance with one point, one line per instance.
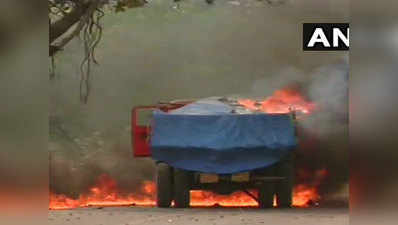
(284, 189)
(164, 185)
(182, 187)
(266, 196)
(266, 191)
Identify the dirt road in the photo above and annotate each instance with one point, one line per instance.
(198, 216)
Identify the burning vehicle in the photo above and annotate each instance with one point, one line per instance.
(219, 144)
(212, 175)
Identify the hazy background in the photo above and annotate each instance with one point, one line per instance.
(23, 112)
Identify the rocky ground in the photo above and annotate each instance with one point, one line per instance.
(198, 216)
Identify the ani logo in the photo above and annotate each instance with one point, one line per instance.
(326, 37)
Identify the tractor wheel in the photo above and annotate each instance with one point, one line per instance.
(266, 195)
(284, 189)
(164, 181)
(181, 188)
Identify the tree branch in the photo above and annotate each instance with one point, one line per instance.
(78, 16)
(55, 47)
(61, 26)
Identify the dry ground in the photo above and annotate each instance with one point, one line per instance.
(198, 216)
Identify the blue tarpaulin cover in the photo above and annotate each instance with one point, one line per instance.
(206, 136)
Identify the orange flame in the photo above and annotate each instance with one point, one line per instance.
(282, 101)
(106, 193)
